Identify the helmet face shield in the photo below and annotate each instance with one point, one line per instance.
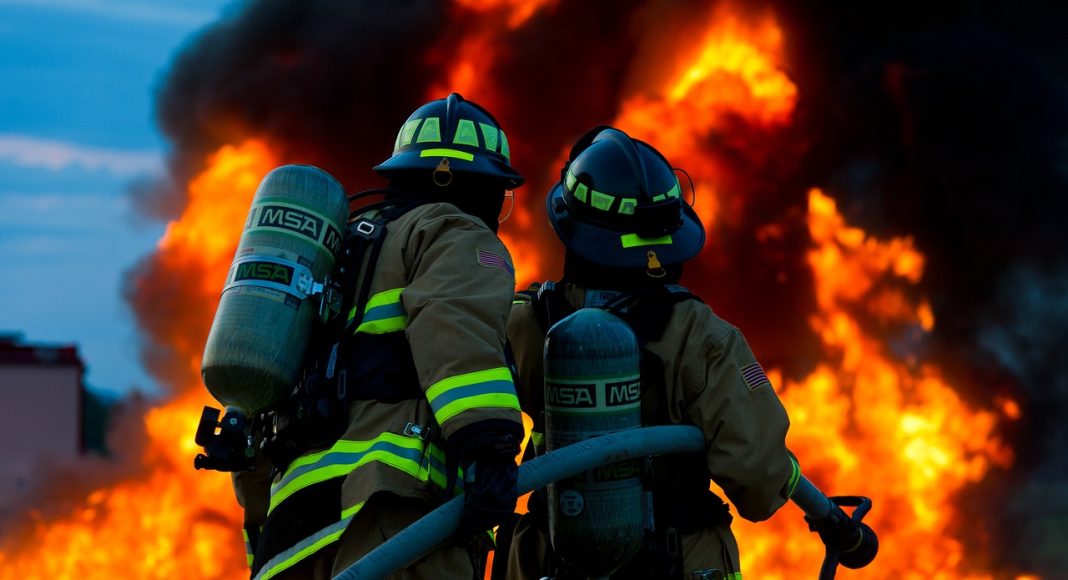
(618, 198)
(457, 133)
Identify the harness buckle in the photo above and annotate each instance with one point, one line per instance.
(365, 227)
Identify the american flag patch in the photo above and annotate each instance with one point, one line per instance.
(754, 376)
(491, 260)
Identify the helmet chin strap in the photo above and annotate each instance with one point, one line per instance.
(510, 196)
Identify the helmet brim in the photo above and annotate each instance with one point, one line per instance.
(607, 247)
(481, 165)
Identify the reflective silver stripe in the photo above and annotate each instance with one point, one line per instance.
(303, 549)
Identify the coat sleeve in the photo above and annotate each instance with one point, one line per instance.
(460, 288)
(728, 396)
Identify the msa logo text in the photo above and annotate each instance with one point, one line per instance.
(617, 471)
(624, 393)
(570, 395)
(268, 271)
(291, 219)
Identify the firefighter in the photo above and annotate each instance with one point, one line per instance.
(627, 233)
(407, 398)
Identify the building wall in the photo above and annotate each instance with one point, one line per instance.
(40, 423)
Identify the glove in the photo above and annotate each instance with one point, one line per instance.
(855, 542)
(487, 456)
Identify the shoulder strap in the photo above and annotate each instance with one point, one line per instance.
(648, 310)
(549, 304)
(361, 247)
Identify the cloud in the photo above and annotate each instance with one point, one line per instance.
(27, 151)
(135, 10)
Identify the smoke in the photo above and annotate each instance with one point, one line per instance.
(945, 122)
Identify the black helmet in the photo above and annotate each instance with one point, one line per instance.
(455, 134)
(618, 204)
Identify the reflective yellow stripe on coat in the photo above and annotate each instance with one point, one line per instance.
(407, 454)
(383, 313)
(480, 389)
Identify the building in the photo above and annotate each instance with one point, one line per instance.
(42, 403)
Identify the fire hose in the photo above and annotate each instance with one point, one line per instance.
(842, 534)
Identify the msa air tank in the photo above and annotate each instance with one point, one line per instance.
(256, 346)
(592, 387)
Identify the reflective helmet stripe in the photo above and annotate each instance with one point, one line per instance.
(465, 133)
(606, 201)
(431, 131)
(489, 135)
(447, 153)
(634, 241)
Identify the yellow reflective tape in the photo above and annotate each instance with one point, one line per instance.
(634, 241)
(601, 201)
(627, 205)
(496, 374)
(580, 192)
(248, 547)
(383, 326)
(431, 131)
(569, 180)
(504, 147)
(386, 297)
(349, 512)
(674, 191)
(337, 470)
(497, 400)
(489, 135)
(795, 477)
(304, 553)
(407, 132)
(537, 438)
(465, 133)
(447, 153)
(380, 299)
(660, 197)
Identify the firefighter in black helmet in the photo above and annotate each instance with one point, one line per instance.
(413, 374)
(627, 230)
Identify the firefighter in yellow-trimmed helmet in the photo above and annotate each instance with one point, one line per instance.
(408, 392)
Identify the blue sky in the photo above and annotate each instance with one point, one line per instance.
(77, 79)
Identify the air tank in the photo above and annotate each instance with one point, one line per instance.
(592, 387)
(268, 308)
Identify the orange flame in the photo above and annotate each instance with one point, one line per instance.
(863, 422)
(171, 521)
(736, 71)
(519, 11)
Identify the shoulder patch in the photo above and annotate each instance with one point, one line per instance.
(754, 376)
(491, 260)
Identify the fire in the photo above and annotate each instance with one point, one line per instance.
(866, 420)
(736, 71)
(519, 11)
(866, 423)
(169, 521)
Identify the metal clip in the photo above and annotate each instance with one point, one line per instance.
(365, 227)
(413, 430)
(708, 574)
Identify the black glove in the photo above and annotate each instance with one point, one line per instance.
(855, 542)
(487, 456)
